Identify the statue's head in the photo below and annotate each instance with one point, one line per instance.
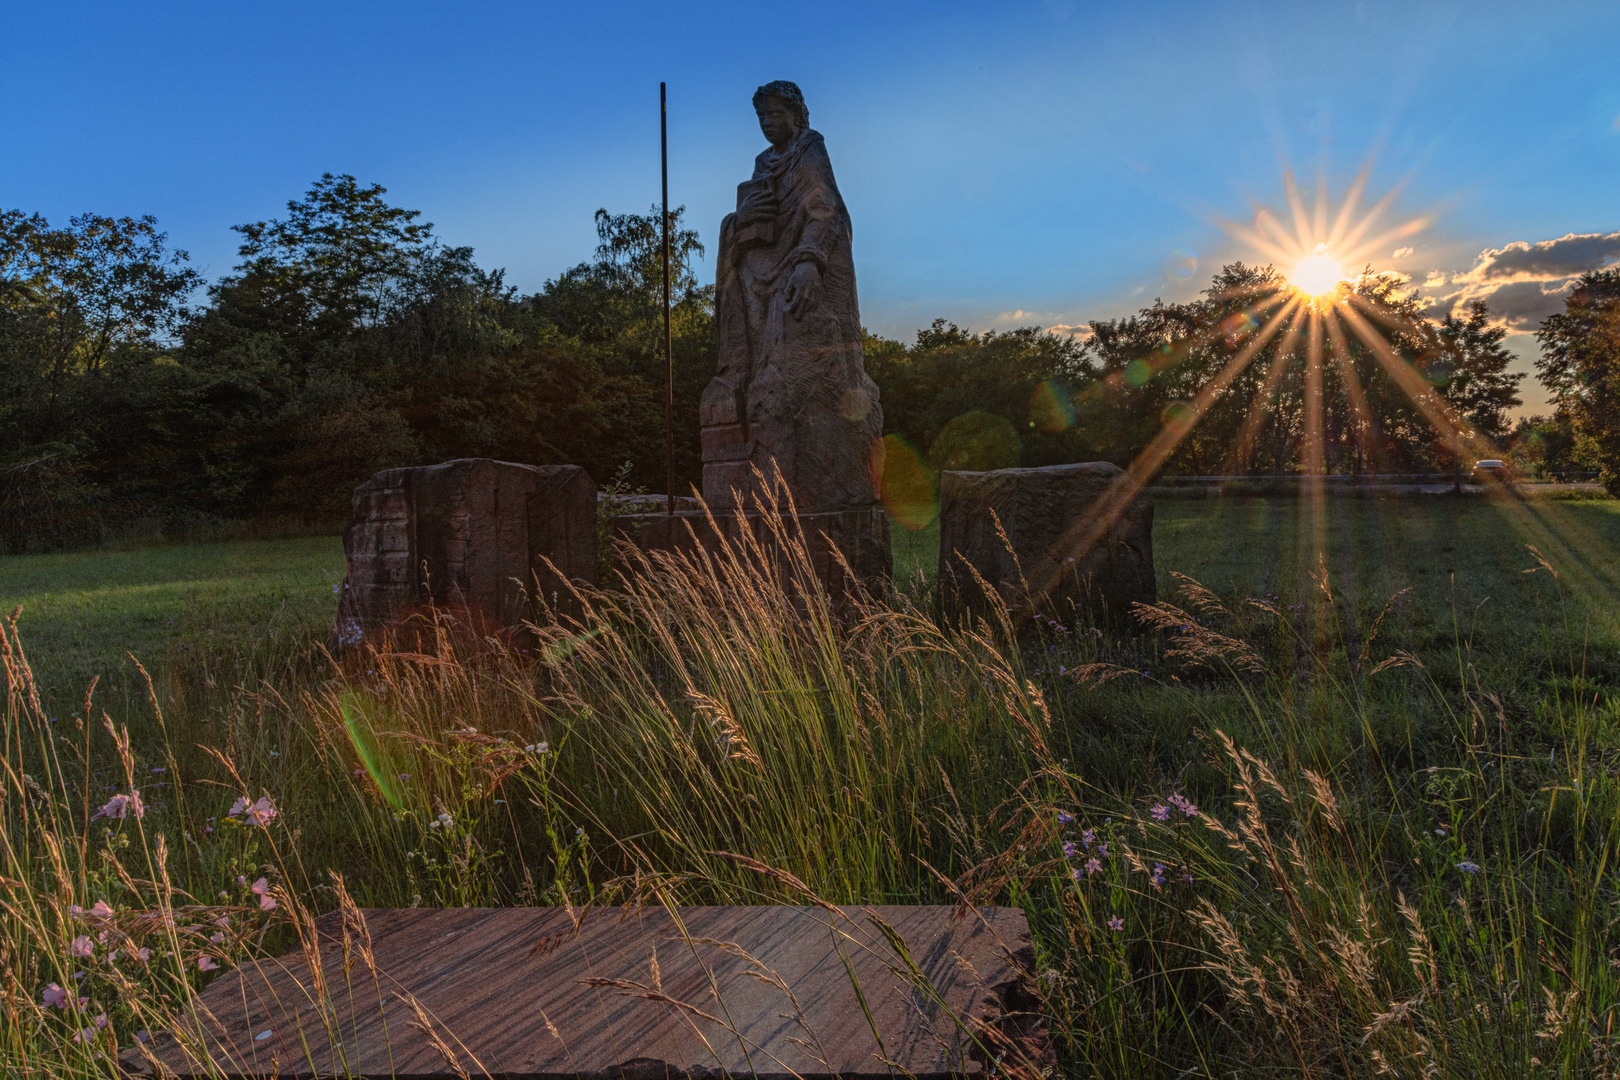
(782, 111)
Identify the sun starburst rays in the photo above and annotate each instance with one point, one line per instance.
(1315, 322)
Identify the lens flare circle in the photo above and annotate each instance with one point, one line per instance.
(908, 487)
(1317, 274)
(976, 441)
(1050, 407)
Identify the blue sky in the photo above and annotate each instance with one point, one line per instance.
(1005, 164)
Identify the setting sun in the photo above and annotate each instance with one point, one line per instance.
(1318, 273)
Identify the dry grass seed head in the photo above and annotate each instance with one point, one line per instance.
(1199, 597)
(1196, 643)
(1322, 795)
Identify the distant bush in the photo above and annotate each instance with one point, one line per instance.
(46, 504)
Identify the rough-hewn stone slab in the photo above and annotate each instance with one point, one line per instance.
(636, 995)
(472, 534)
(1081, 539)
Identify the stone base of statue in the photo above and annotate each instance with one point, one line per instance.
(844, 547)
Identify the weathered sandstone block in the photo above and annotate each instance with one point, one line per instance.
(472, 534)
(1081, 539)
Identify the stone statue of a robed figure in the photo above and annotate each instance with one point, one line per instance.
(791, 394)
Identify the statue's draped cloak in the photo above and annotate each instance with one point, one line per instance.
(791, 391)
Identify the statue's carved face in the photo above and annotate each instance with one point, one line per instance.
(779, 120)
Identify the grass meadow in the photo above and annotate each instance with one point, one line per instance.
(1345, 803)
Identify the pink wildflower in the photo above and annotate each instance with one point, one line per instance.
(261, 889)
(259, 813)
(1160, 813)
(144, 955)
(55, 997)
(1116, 923)
(101, 911)
(83, 946)
(120, 806)
(206, 963)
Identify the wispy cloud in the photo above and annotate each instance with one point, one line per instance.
(1051, 320)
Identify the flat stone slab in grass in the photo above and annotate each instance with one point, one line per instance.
(634, 994)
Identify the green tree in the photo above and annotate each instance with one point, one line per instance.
(86, 314)
(970, 400)
(1544, 446)
(1480, 388)
(342, 248)
(612, 307)
(296, 412)
(1580, 367)
(71, 298)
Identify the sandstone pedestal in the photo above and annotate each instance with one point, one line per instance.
(1079, 539)
(643, 994)
(472, 535)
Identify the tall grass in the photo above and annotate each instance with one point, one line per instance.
(1255, 837)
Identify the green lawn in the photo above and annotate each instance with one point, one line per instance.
(1463, 560)
(218, 610)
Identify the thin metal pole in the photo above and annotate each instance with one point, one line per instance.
(669, 341)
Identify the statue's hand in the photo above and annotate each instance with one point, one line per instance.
(804, 289)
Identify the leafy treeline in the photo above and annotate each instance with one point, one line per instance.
(349, 339)
(989, 400)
